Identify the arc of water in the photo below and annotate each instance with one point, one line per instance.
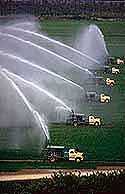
(42, 124)
(91, 27)
(47, 51)
(40, 68)
(38, 88)
(4, 73)
(57, 42)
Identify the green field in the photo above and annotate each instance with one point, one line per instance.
(108, 141)
(98, 143)
(66, 30)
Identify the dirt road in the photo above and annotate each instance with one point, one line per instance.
(30, 174)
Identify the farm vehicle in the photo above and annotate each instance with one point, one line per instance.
(110, 82)
(120, 61)
(101, 81)
(94, 97)
(112, 70)
(77, 119)
(96, 80)
(60, 153)
(115, 61)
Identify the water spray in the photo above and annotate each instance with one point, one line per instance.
(94, 27)
(37, 117)
(40, 68)
(37, 87)
(57, 42)
(47, 51)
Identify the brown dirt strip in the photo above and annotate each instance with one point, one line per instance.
(30, 174)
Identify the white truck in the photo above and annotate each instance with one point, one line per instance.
(60, 153)
(110, 82)
(77, 119)
(120, 61)
(92, 96)
(113, 70)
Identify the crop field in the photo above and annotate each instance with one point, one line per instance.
(106, 142)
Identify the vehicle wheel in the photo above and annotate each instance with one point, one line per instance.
(78, 160)
(52, 160)
(75, 124)
(107, 101)
(111, 84)
(96, 124)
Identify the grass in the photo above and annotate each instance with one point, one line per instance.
(103, 143)
(108, 141)
(16, 166)
(65, 30)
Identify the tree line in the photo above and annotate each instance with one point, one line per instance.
(66, 8)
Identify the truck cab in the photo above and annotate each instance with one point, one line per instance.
(75, 156)
(94, 120)
(120, 61)
(110, 82)
(104, 98)
(115, 70)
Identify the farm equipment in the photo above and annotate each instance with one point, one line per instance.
(114, 70)
(111, 61)
(107, 69)
(104, 98)
(119, 61)
(110, 82)
(97, 80)
(76, 119)
(94, 97)
(60, 153)
(115, 61)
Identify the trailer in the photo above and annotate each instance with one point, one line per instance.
(96, 80)
(111, 60)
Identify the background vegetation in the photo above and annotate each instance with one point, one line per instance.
(96, 183)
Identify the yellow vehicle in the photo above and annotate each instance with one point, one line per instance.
(120, 61)
(60, 153)
(81, 119)
(92, 96)
(75, 156)
(94, 120)
(104, 98)
(115, 70)
(110, 82)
